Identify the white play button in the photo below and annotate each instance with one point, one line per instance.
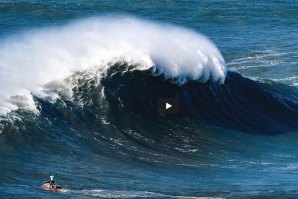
(168, 105)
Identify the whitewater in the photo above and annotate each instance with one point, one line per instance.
(31, 59)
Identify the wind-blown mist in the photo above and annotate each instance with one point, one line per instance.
(32, 59)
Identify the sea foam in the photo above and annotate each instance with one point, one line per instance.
(31, 59)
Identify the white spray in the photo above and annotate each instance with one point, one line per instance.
(32, 59)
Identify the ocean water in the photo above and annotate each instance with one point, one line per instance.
(80, 80)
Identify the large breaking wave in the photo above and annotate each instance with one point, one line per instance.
(239, 103)
(30, 60)
(121, 58)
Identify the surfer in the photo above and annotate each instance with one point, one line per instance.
(52, 186)
(51, 182)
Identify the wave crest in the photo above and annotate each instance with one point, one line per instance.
(32, 59)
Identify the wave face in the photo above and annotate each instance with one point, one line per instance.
(55, 53)
(240, 103)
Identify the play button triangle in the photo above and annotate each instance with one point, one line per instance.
(168, 105)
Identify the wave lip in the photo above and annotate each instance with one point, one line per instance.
(30, 60)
